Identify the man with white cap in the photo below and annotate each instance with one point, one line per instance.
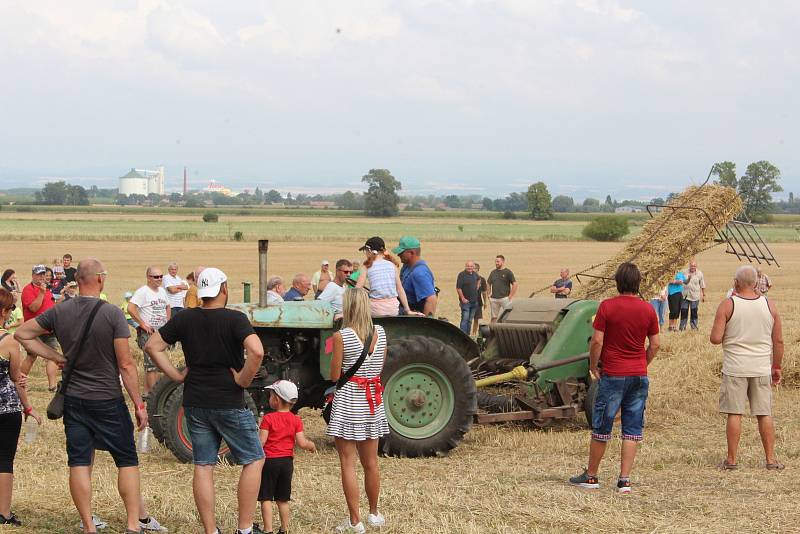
(214, 339)
(321, 278)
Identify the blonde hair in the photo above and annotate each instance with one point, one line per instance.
(356, 312)
(386, 255)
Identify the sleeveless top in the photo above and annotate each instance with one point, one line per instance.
(747, 343)
(9, 399)
(353, 417)
(382, 277)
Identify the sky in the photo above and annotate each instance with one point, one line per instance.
(593, 97)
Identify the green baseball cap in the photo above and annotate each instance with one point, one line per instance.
(407, 242)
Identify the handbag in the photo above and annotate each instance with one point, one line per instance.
(344, 379)
(55, 409)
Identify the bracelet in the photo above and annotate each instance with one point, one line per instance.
(140, 406)
(28, 411)
(778, 367)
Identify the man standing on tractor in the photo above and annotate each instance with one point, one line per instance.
(214, 381)
(416, 276)
(749, 328)
(619, 360)
(502, 287)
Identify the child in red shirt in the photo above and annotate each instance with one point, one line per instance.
(279, 432)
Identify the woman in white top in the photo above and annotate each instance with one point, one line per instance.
(385, 287)
(358, 418)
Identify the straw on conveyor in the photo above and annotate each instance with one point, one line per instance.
(669, 240)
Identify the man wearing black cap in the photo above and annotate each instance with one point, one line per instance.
(416, 276)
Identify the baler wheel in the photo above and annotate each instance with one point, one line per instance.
(157, 402)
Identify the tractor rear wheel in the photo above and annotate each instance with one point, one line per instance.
(176, 431)
(429, 397)
(157, 402)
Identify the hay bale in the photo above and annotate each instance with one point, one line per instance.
(669, 240)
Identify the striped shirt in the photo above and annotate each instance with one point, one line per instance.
(382, 276)
(351, 417)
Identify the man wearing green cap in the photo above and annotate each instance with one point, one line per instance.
(416, 277)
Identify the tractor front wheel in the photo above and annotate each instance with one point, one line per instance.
(429, 396)
(156, 404)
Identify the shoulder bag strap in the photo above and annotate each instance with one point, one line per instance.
(356, 366)
(71, 364)
(5, 335)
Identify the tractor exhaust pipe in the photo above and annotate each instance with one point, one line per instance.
(263, 248)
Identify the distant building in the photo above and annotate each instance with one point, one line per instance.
(142, 182)
(628, 209)
(216, 187)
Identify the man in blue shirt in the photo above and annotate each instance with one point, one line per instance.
(416, 276)
(562, 287)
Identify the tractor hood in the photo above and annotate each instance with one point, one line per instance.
(307, 314)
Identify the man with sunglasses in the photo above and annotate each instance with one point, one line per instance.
(334, 291)
(150, 308)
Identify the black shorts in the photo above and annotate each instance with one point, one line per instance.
(10, 425)
(674, 302)
(98, 425)
(276, 480)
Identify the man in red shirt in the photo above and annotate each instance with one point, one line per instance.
(37, 299)
(618, 359)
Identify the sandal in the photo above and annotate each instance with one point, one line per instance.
(724, 465)
(52, 389)
(776, 466)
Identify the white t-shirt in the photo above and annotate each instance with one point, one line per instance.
(333, 293)
(152, 305)
(175, 300)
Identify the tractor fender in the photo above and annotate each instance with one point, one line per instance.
(404, 326)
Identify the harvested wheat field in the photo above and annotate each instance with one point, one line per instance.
(502, 479)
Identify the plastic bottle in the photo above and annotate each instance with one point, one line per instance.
(31, 430)
(143, 441)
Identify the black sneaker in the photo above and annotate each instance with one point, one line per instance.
(10, 520)
(585, 480)
(258, 530)
(624, 486)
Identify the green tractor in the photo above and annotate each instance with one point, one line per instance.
(430, 392)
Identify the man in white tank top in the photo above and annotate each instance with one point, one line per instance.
(748, 327)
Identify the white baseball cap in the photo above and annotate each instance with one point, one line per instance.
(285, 389)
(209, 282)
(325, 262)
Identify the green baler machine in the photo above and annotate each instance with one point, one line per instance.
(535, 362)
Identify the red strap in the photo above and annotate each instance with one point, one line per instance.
(365, 384)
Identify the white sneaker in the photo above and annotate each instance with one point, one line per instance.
(348, 527)
(99, 524)
(152, 526)
(376, 520)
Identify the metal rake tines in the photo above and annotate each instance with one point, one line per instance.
(743, 240)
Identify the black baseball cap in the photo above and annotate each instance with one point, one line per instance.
(374, 244)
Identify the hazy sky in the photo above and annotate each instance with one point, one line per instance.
(485, 97)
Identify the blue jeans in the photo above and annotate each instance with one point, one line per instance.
(98, 424)
(209, 426)
(628, 393)
(467, 315)
(686, 307)
(659, 306)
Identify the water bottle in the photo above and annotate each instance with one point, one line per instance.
(31, 429)
(143, 441)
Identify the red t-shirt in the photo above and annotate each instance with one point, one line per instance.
(29, 294)
(282, 427)
(625, 322)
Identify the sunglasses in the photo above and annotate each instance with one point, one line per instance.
(346, 271)
(155, 276)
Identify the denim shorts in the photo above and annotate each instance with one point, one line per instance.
(98, 425)
(615, 393)
(209, 426)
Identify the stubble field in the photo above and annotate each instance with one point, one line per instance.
(504, 479)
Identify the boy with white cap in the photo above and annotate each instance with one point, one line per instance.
(280, 430)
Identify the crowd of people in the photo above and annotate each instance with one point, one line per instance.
(87, 339)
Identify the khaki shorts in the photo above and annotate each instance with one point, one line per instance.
(736, 391)
(498, 305)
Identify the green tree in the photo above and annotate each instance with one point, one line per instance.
(609, 202)
(53, 193)
(607, 228)
(791, 197)
(487, 203)
(725, 171)
(591, 204)
(381, 198)
(756, 187)
(540, 203)
(351, 201)
(452, 201)
(658, 201)
(563, 204)
(274, 197)
(77, 196)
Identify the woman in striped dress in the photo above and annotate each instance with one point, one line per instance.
(358, 419)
